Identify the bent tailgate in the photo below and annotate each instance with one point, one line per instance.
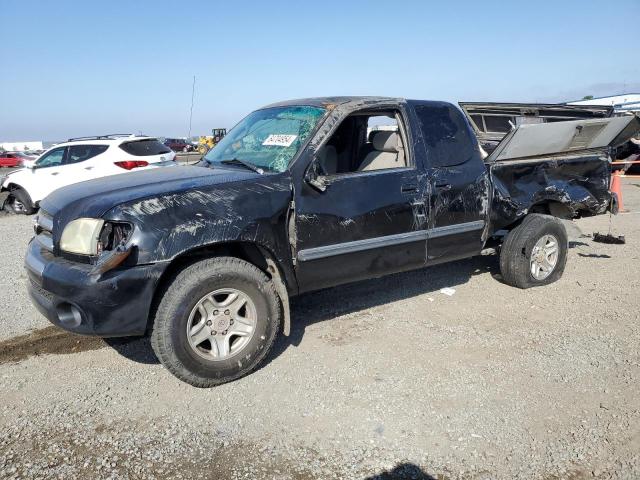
(537, 140)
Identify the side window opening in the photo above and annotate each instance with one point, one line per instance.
(80, 153)
(145, 148)
(363, 142)
(52, 159)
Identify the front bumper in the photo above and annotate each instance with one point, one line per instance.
(72, 296)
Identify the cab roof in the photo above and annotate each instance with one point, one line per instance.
(110, 139)
(332, 102)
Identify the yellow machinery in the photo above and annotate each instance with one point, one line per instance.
(207, 142)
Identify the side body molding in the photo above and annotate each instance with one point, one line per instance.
(381, 242)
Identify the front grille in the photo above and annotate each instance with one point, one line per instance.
(41, 290)
(43, 222)
(43, 227)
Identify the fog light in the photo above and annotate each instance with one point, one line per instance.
(69, 315)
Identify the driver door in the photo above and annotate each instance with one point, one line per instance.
(366, 222)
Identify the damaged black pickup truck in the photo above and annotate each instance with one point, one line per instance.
(299, 196)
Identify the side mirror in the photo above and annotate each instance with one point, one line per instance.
(315, 178)
(318, 183)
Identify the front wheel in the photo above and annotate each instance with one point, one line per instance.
(535, 252)
(20, 203)
(216, 322)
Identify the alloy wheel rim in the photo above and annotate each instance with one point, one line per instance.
(544, 257)
(221, 324)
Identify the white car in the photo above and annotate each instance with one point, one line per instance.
(78, 160)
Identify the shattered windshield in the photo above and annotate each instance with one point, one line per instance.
(268, 138)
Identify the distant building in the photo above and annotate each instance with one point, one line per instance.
(627, 102)
(21, 146)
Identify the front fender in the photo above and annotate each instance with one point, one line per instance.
(168, 226)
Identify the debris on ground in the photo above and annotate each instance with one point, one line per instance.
(609, 238)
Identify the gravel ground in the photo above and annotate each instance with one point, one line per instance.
(382, 379)
(17, 315)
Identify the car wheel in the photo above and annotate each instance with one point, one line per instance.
(216, 322)
(20, 203)
(185, 149)
(535, 252)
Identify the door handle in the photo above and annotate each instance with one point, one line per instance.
(409, 188)
(88, 168)
(55, 173)
(443, 187)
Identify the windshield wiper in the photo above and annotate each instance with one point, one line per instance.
(244, 163)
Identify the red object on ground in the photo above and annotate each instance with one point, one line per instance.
(616, 187)
(8, 159)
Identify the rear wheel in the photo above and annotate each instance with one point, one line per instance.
(20, 203)
(535, 252)
(216, 322)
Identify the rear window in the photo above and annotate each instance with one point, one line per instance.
(498, 124)
(477, 119)
(145, 148)
(80, 153)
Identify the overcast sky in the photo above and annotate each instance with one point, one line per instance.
(81, 68)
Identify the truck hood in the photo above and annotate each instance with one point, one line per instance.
(94, 198)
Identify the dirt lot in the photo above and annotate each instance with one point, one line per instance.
(382, 379)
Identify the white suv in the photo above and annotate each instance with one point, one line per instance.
(78, 160)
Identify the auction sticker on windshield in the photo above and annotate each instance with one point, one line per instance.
(280, 140)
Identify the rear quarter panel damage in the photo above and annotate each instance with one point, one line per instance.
(579, 182)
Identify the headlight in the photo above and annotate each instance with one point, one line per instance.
(81, 236)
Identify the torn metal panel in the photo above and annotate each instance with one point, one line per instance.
(527, 141)
(491, 121)
(547, 139)
(578, 182)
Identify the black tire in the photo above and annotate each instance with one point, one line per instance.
(169, 331)
(515, 255)
(19, 202)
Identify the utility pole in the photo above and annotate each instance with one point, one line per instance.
(193, 91)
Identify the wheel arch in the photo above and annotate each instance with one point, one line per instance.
(12, 187)
(253, 253)
(554, 208)
(551, 207)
